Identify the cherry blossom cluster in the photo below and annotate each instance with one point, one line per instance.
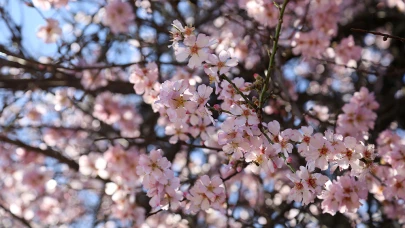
(103, 165)
(242, 137)
(120, 166)
(324, 16)
(197, 48)
(307, 185)
(118, 16)
(146, 83)
(159, 180)
(263, 11)
(232, 126)
(112, 110)
(185, 109)
(347, 51)
(50, 32)
(93, 79)
(207, 193)
(358, 115)
(47, 4)
(343, 195)
(391, 148)
(31, 190)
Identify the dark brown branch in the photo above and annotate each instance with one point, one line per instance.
(44, 84)
(20, 219)
(153, 213)
(384, 35)
(146, 141)
(48, 152)
(345, 66)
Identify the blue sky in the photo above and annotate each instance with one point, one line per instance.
(30, 20)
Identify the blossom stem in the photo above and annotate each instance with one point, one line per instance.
(286, 163)
(249, 102)
(384, 35)
(272, 56)
(281, 154)
(22, 220)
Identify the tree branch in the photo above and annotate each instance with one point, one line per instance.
(384, 35)
(48, 152)
(20, 219)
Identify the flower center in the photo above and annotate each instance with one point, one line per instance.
(194, 50)
(349, 154)
(311, 182)
(323, 150)
(188, 31)
(299, 186)
(220, 64)
(179, 102)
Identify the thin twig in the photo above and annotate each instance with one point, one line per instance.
(249, 102)
(272, 56)
(345, 66)
(158, 139)
(20, 219)
(153, 213)
(47, 152)
(384, 35)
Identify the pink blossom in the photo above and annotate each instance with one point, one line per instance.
(91, 164)
(93, 79)
(236, 147)
(336, 141)
(311, 44)
(281, 143)
(118, 16)
(351, 156)
(347, 50)
(222, 62)
(179, 31)
(395, 187)
(244, 115)
(358, 116)
(265, 157)
(46, 4)
(262, 11)
(325, 18)
(176, 31)
(206, 193)
(306, 185)
(144, 78)
(320, 152)
(305, 139)
(196, 47)
(154, 164)
(51, 32)
(202, 96)
(36, 177)
(43, 4)
(229, 94)
(343, 195)
(178, 131)
(203, 129)
(106, 108)
(60, 3)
